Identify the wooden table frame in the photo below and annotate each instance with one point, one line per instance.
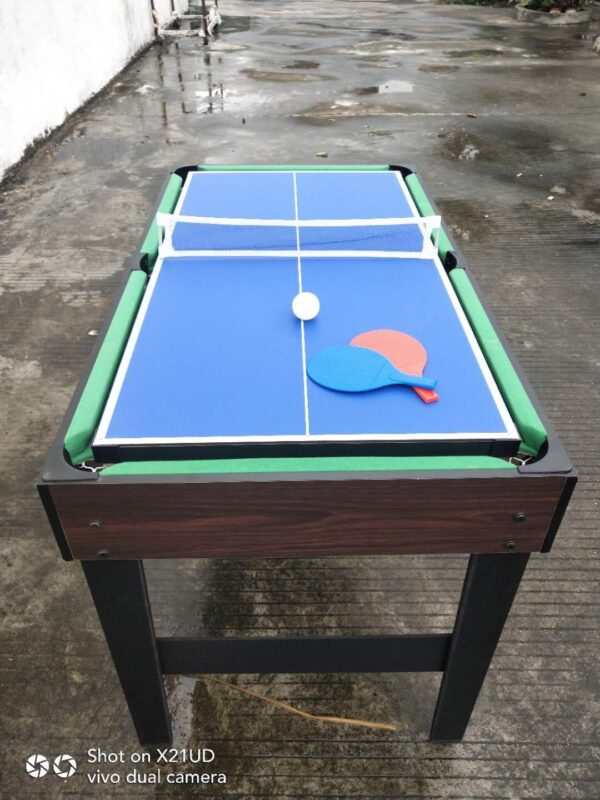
(499, 555)
(110, 522)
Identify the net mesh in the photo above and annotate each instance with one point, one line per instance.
(412, 236)
(388, 238)
(211, 236)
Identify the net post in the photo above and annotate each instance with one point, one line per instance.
(431, 231)
(165, 224)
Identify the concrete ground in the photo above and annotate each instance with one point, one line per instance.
(503, 120)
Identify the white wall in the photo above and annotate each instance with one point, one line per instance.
(54, 54)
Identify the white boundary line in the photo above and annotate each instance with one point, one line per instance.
(302, 334)
(334, 437)
(423, 254)
(101, 438)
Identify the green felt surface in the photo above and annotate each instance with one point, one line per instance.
(167, 204)
(292, 167)
(426, 210)
(91, 403)
(530, 426)
(309, 464)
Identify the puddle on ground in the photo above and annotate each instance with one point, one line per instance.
(588, 217)
(511, 144)
(369, 48)
(441, 69)
(463, 146)
(283, 77)
(469, 153)
(590, 200)
(389, 87)
(216, 47)
(300, 64)
(301, 29)
(217, 98)
(329, 113)
(467, 220)
(231, 24)
(486, 52)
(403, 37)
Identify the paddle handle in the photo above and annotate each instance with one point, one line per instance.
(416, 381)
(426, 395)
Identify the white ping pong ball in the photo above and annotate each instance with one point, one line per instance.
(306, 306)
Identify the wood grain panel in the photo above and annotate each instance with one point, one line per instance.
(285, 518)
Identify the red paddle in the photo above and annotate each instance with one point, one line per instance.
(405, 352)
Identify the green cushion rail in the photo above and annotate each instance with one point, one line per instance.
(91, 403)
(307, 464)
(531, 428)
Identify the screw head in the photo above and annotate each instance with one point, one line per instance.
(95, 523)
(510, 545)
(519, 517)
(103, 553)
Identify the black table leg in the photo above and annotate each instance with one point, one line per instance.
(119, 592)
(488, 592)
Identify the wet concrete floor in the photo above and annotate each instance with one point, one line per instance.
(502, 118)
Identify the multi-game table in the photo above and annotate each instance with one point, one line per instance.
(231, 409)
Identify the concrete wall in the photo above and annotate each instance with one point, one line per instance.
(54, 54)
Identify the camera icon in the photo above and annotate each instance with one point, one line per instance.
(38, 766)
(64, 766)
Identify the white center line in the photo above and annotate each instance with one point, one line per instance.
(304, 378)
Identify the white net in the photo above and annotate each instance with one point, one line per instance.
(405, 237)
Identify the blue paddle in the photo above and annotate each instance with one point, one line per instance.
(346, 368)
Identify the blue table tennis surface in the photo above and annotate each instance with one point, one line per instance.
(216, 354)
